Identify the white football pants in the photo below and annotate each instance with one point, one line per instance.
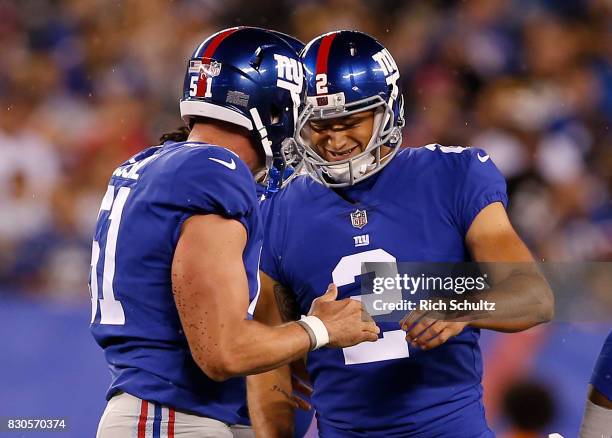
(127, 416)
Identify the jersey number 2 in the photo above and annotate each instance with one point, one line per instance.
(111, 310)
(393, 344)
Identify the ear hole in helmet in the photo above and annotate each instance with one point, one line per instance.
(275, 114)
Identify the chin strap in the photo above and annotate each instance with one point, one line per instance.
(342, 172)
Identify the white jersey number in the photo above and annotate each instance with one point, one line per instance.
(111, 310)
(393, 344)
(321, 79)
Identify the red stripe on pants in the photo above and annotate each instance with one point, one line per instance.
(142, 421)
(170, 423)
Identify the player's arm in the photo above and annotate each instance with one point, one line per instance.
(270, 399)
(211, 293)
(521, 295)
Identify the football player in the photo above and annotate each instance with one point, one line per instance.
(597, 420)
(366, 200)
(176, 249)
(268, 184)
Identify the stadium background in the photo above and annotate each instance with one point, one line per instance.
(86, 83)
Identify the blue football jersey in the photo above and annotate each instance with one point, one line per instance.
(602, 374)
(302, 418)
(134, 317)
(418, 208)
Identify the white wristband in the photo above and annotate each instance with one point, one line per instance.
(318, 329)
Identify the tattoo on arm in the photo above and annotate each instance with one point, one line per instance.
(286, 303)
(276, 388)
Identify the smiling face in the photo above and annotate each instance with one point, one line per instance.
(343, 137)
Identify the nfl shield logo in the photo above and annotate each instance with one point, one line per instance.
(210, 70)
(359, 218)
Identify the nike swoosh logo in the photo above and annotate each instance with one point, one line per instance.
(481, 158)
(230, 165)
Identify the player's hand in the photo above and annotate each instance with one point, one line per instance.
(426, 333)
(347, 322)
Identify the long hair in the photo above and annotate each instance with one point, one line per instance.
(180, 134)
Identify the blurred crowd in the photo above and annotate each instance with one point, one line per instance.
(85, 84)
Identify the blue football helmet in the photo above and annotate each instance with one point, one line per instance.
(349, 72)
(252, 78)
(290, 164)
(296, 44)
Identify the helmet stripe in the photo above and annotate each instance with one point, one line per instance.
(323, 53)
(208, 54)
(210, 49)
